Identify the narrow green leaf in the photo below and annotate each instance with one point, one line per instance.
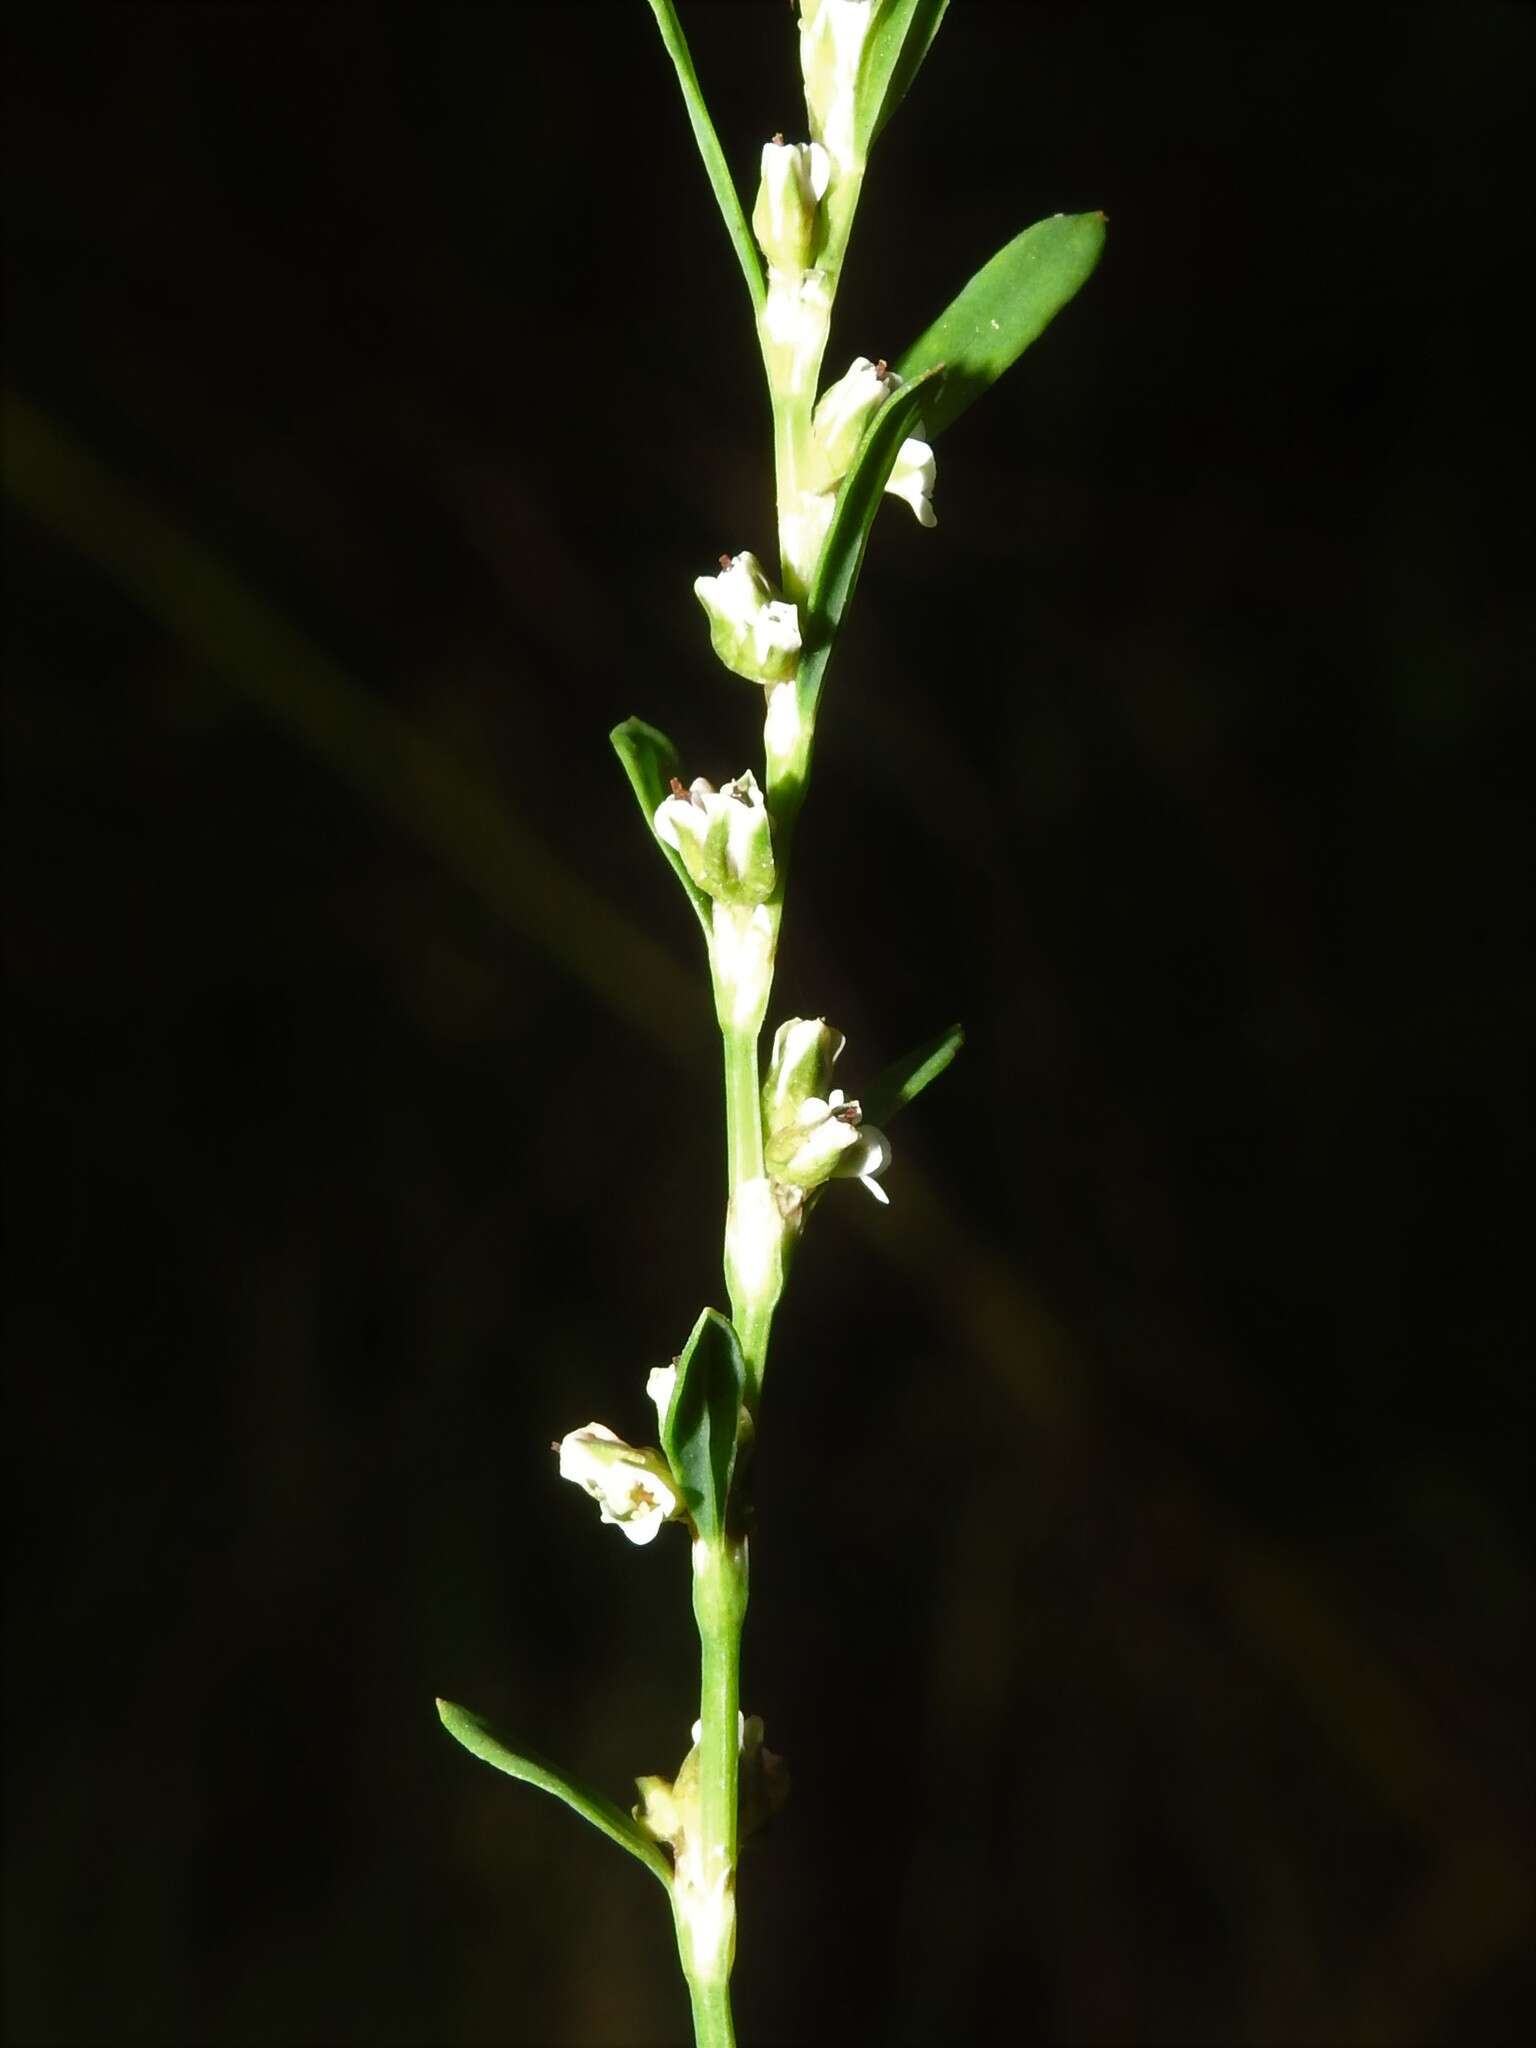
(609, 1819)
(727, 198)
(650, 761)
(703, 1417)
(1008, 304)
(909, 1076)
(897, 44)
(842, 553)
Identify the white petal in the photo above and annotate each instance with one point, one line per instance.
(659, 1386)
(912, 478)
(873, 1155)
(865, 1181)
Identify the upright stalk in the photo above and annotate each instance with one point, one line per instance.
(705, 1880)
(790, 1132)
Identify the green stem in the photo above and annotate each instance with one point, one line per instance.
(705, 1879)
(712, 2026)
(704, 1889)
(754, 1283)
(743, 1110)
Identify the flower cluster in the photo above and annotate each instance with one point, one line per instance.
(722, 837)
(633, 1488)
(752, 629)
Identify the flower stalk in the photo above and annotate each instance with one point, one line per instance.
(790, 1135)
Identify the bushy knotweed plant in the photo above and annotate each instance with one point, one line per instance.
(790, 1135)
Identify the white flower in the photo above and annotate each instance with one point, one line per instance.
(756, 634)
(829, 1139)
(784, 219)
(633, 1488)
(912, 478)
(843, 412)
(723, 837)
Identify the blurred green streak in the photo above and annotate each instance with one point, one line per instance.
(412, 779)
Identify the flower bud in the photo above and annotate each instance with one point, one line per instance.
(912, 478)
(722, 837)
(633, 1488)
(755, 633)
(788, 210)
(832, 34)
(800, 1066)
(827, 1141)
(843, 412)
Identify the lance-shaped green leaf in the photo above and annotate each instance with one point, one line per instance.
(842, 552)
(723, 185)
(609, 1819)
(699, 1430)
(651, 761)
(909, 1076)
(1008, 304)
(897, 43)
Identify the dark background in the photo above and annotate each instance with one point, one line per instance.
(1140, 1588)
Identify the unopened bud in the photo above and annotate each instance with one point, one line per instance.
(832, 35)
(843, 412)
(800, 1066)
(787, 215)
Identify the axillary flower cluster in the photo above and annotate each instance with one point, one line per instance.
(790, 1134)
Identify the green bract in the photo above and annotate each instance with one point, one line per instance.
(701, 1427)
(617, 1825)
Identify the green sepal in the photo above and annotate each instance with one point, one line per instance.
(1008, 304)
(907, 1077)
(703, 1418)
(608, 1819)
(651, 761)
(897, 43)
(842, 552)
